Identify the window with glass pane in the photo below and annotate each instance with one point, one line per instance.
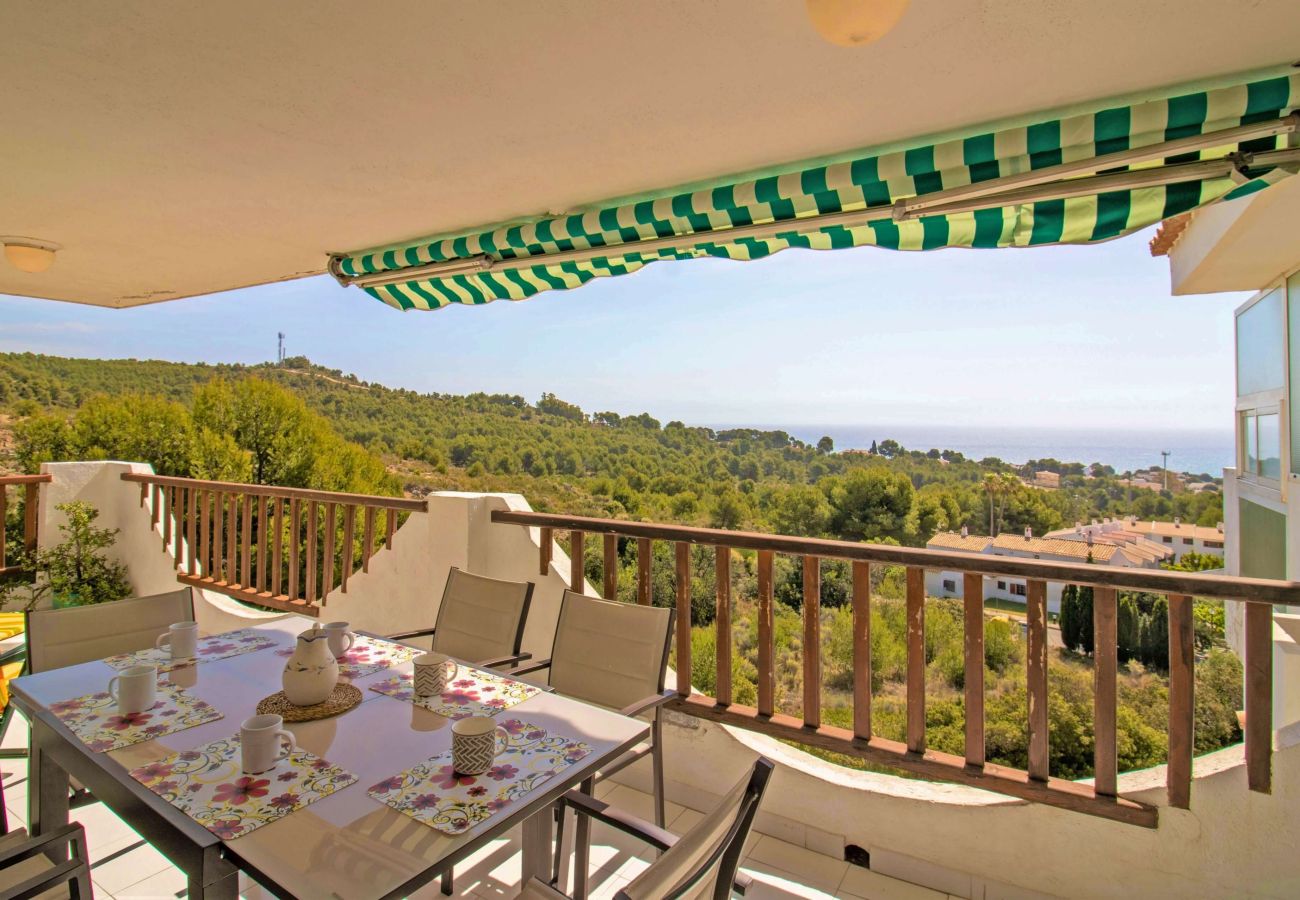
(1293, 330)
(1250, 440)
(1261, 365)
(1270, 446)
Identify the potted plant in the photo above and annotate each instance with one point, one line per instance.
(75, 572)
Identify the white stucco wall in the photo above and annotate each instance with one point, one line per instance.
(969, 843)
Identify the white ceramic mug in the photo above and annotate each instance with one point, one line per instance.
(338, 637)
(182, 638)
(263, 742)
(473, 744)
(135, 689)
(432, 672)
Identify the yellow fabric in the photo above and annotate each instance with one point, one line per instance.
(11, 623)
(7, 673)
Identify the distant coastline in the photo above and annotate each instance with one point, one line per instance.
(1193, 451)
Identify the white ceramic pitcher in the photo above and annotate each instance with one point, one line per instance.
(312, 672)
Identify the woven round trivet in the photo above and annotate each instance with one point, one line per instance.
(345, 697)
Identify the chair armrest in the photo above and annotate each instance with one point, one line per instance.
(647, 703)
(503, 661)
(72, 833)
(532, 667)
(39, 884)
(584, 805)
(659, 838)
(407, 635)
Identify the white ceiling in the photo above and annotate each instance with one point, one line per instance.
(183, 148)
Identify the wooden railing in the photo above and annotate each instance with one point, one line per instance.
(283, 548)
(1035, 783)
(30, 485)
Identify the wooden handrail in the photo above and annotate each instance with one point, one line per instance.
(25, 479)
(402, 504)
(1035, 782)
(1156, 581)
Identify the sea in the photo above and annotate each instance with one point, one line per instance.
(1191, 451)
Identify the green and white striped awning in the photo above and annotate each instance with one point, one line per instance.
(1074, 179)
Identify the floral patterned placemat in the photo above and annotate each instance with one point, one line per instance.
(472, 692)
(218, 646)
(370, 655)
(208, 785)
(433, 793)
(95, 719)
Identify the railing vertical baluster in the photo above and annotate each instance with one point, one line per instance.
(313, 522)
(812, 642)
(216, 561)
(178, 521)
(246, 541)
(545, 547)
(368, 539)
(610, 567)
(31, 505)
(644, 557)
(264, 541)
(327, 562)
(191, 530)
(155, 505)
(295, 546)
(1105, 648)
(1259, 697)
(144, 493)
(973, 599)
(205, 533)
(862, 650)
(168, 499)
(766, 651)
(577, 552)
(390, 528)
(1036, 676)
(277, 550)
(1182, 712)
(349, 541)
(232, 536)
(683, 625)
(722, 623)
(4, 512)
(915, 659)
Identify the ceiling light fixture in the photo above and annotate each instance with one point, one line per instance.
(29, 254)
(854, 23)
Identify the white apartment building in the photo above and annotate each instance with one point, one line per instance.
(1175, 538)
(1133, 552)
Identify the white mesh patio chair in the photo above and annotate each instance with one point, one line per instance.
(702, 863)
(480, 620)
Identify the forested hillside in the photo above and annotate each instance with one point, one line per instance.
(559, 456)
(305, 426)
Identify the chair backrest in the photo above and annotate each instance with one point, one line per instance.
(608, 653)
(481, 618)
(703, 862)
(78, 634)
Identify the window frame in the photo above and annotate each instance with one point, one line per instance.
(1263, 403)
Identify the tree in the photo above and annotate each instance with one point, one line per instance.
(1127, 627)
(873, 503)
(76, 571)
(801, 510)
(826, 444)
(889, 448)
(1076, 618)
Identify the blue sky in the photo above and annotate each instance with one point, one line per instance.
(1056, 337)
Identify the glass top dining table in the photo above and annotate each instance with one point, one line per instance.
(345, 845)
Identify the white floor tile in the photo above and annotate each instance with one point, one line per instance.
(813, 869)
(164, 885)
(860, 882)
(770, 883)
(119, 873)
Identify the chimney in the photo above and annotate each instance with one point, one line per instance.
(1089, 538)
(1178, 523)
(1220, 526)
(965, 532)
(1029, 533)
